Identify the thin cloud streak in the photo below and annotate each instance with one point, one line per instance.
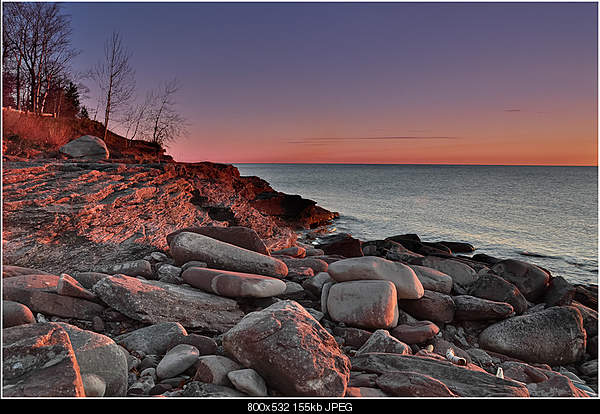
(343, 139)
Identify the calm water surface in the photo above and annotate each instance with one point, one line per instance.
(503, 211)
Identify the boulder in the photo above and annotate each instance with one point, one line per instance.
(433, 279)
(412, 384)
(382, 341)
(342, 244)
(38, 361)
(464, 381)
(204, 344)
(415, 332)
(293, 263)
(11, 271)
(471, 308)
(100, 356)
(214, 369)
(294, 251)
(14, 313)
(177, 360)
(433, 306)
(38, 293)
(133, 268)
(233, 284)
(554, 336)
(368, 304)
(87, 146)
(531, 280)
(403, 277)
(559, 292)
(187, 246)
(152, 340)
(155, 302)
(243, 237)
(249, 382)
(315, 284)
(458, 247)
(67, 286)
(495, 288)
(354, 337)
(290, 350)
(461, 273)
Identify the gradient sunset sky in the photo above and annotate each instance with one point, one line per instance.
(406, 83)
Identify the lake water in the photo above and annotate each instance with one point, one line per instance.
(504, 211)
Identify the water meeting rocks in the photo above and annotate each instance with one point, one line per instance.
(233, 284)
(187, 246)
(404, 278)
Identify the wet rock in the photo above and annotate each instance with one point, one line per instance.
(38, 361)
(290, 350)
(233, 284)
(341, 244)
(495, 288)
(87, 146)
(458, 247)
(155, 302)
(553, 336)
(188, 246)
(368, 304)
(528, 278)
(403, 277)
(14, 313)
(559, 292)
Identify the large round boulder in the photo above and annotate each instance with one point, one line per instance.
(554, 336)
(290, 350)
(87, 146)
(403, 277)
(531, 280)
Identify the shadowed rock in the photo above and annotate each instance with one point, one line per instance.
(233, 284)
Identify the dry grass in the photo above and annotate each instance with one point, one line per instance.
(36, 131)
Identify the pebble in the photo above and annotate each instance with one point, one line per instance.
(177, 360)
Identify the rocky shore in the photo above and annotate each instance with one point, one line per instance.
(187, 280)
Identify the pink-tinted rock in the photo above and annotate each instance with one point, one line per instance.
(416, 332)
(11, 271)
(290, 350)
(38, 361)
(38, 293)
(412, 384)
(233, 284)
(239, 236)
(14, 314)
(67, 286)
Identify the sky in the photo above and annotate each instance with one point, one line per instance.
(390, 83)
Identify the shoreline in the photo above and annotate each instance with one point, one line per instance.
(445, 320)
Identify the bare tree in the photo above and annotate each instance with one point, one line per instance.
(115, 77)
(164, 121)
(135, 117)
(36, 46)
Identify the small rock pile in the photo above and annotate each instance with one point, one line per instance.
(333, 317)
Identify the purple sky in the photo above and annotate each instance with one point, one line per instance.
(483, 83)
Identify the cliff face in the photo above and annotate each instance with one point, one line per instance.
(74, 215)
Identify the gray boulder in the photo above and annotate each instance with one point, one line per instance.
(87, 146)
(554, 336)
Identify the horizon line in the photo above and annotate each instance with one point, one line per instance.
(392, 163)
